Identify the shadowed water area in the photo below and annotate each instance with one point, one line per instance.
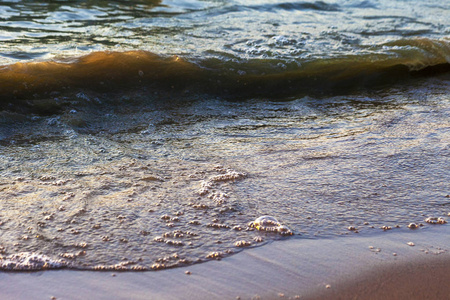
(149, 134)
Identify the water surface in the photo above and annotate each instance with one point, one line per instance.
(149, 134)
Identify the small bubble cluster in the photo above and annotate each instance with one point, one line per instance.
(242, 243)
(434, 220)
(28, 261)
(208, 188)
(270, 224)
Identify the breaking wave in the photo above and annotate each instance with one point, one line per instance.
(227, 77)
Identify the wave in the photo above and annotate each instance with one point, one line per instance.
(225, 77)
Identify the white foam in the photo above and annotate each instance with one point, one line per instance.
(269, 223)
(228, 176)
(29, 261)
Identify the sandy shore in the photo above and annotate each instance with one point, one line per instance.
(379, 266)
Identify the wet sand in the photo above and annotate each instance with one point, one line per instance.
(384, 265)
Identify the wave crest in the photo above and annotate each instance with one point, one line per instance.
(113, 71)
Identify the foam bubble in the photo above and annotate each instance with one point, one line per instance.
(268, 223)
(214, 182)
(230, 175)
(29, 261)
(434, 220)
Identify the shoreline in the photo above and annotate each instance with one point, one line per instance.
(350, 267)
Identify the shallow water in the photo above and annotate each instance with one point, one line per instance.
(193, 118)
(121, 187)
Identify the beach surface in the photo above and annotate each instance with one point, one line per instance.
(155, 134)
(396, 264)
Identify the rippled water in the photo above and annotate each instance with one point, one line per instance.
(149, 134)
(293, 30)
